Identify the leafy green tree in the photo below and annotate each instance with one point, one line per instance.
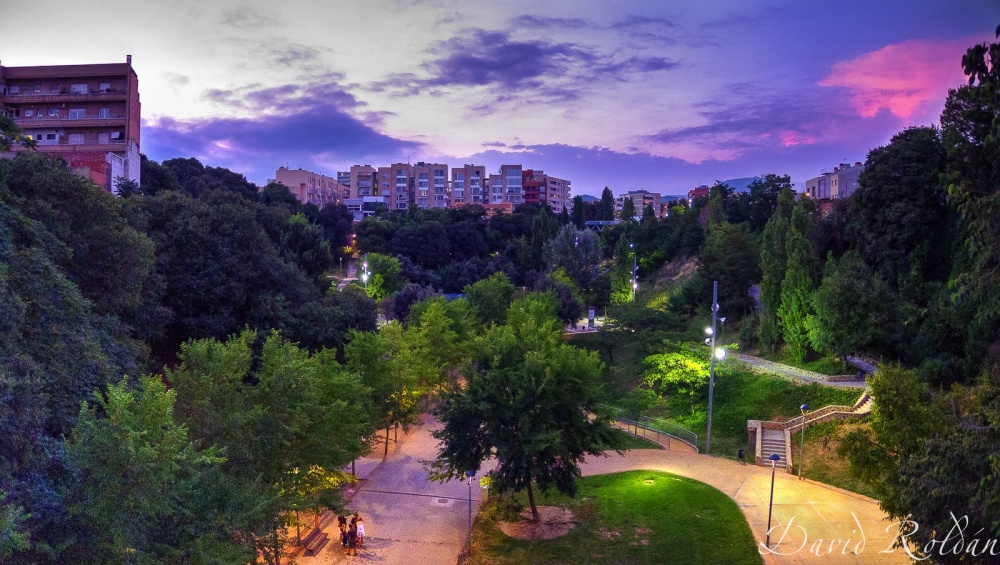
(11, 134)
(762, 199)
(575, 251)
(680, 370)
(853, 309)
(579, 216)
(969, 126)
(648, 214)
(528, 403)
(287, 423)
(606, 206)
(731, 256)
(797, 288)
(386, 275)
(628, 210)
(133, 458)
(491, 298)
(773, 263)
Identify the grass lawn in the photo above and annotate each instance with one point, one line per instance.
(636, 442)
(633, 518)
(823, 464)
(824, 365)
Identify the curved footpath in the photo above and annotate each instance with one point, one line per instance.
(411, 520)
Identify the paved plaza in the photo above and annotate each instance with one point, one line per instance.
(410, 520)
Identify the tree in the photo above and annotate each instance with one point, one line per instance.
(796, 290)
(648, 214)
(491, 298)
(773, 263)
(575, 251)
(969, 126)
(606, 206)
(853, 309)
(762, 199)
(11, 134)
(131, 456)
(628, 210)
(680, 370)
(528, 402)
(579, 216)
(732, 257)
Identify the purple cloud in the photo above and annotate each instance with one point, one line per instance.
(537, 69)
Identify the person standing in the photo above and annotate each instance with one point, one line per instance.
(361, 531)
(352, 540)
(342, 526)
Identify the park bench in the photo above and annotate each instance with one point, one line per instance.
(315, 541)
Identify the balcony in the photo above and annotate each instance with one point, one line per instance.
(53, 122)
(59, 97)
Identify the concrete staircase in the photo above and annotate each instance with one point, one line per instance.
(767, 437)
(773, 441)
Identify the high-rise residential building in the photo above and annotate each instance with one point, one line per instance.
(640, 199)
(399, 179)
(556, 193)
(363, 181)
(512, 181)
(87, 114)
(469, 185)
(310, 187)
(431, 186)
(839, 183)
(542, 188)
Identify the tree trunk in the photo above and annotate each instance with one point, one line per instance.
(386, 454)
(531, 501)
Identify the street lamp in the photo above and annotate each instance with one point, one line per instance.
(470, 474)
(774, 460)
(716, 353)
(635, 280)
(365, 273)
(802, 441)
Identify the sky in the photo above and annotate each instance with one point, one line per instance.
(653, 94)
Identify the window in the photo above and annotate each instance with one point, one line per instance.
(80, 88)
(105, 113)
(15, 89)
(54, 88)
(53, 112)
(29, 113)
(38, 88)
(104, 87)
(76, 139)
(77, 113)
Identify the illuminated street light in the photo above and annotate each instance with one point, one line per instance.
(715, 353)
(774, 460)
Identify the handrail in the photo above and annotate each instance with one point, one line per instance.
(654, 424)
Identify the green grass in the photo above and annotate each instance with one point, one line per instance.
(742, 395)
(631, 518)
(823, 464)
(824, 365)
(635, 442)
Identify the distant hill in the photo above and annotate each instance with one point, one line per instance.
(740, 185)
(589, 198)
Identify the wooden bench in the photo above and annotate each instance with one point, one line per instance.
(315, 541)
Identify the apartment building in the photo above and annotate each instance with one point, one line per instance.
(512, 184)
(841, 182)
(310, 187)
(431, 185)
(555, 192)
(396, 183)
(87, 114)
(640, 199)
(469, 185)
(698, 192)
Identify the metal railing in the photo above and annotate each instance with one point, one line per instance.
(657, 427)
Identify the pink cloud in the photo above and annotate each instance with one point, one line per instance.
(909, 79)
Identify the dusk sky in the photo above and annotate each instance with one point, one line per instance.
(632, 94)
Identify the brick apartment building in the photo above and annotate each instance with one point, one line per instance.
(640, 199)
(87, 114)
(310, 187)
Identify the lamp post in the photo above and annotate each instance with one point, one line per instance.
(717, 353)
(774, 460)
(470, 474)
(365, 273)
(635, 280)
(802, 441)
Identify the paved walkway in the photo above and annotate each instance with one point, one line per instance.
(794, 373)
(411, 520)
(815, 516)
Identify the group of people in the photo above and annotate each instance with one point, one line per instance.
(352, 536)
